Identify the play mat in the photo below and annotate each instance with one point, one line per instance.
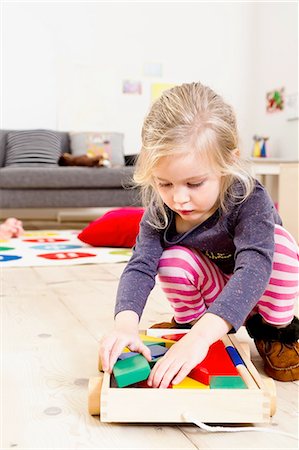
(56, 248)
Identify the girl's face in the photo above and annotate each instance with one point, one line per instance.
(188, 185)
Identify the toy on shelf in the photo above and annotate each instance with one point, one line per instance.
(214, 391)
(259, 149)
(263, 148)
(256, 146)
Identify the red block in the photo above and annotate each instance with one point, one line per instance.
(174, 337)
(217, 362)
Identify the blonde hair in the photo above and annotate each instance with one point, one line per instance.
(190, 116)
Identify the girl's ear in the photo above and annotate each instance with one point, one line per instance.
(236, 152)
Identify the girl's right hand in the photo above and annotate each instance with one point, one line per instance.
(112, 345)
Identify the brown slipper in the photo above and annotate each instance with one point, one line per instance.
(278, 347)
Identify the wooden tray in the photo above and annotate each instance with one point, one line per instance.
(254, 405)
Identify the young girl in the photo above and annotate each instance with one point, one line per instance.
(215, 239)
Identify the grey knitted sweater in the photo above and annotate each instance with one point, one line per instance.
(240, 241)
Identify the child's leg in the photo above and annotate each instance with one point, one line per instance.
(275, 329)
(190, 281)
(277, 304)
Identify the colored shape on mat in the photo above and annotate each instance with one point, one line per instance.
(121, 252)
(45, 240)
(4, 258)
(189, 383)
(5, 249)
(131, 370)
(227, 382)
(40, 233)
(65, 255)
(55, 247)
(217, 362)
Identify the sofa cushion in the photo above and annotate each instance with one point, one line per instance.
(93, 143)
(117, 228)
(32, 148)
(57, 177)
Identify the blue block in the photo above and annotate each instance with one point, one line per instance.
(157, 351)
(127, 355)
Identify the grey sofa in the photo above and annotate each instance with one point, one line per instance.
(63, 187)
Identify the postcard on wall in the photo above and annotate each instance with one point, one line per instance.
(292, 110)
(152, 69)
(275, 100)
(159, 88)
(132, 87)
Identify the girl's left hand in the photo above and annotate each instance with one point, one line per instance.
(179, 360)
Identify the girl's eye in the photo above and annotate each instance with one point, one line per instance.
(195, 185)
(164, 185)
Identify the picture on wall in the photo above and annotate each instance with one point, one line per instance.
(152, 69)
(275, 100)
(292, 109)
(159, 88)
(132, 87)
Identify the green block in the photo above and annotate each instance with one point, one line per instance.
(227, 382)
(131, 370)
(153, 361)
(148, 343)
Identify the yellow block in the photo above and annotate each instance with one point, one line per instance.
(145, 337)
(126, 350)
(189, 383)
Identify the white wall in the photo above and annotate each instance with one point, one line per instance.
(275, 65)
(64, 63)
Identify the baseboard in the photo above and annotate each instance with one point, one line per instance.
(58, 214)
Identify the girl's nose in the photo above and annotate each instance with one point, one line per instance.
(181, 195)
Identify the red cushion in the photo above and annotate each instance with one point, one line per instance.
(116, 228)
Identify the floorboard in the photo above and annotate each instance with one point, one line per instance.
(52, 320)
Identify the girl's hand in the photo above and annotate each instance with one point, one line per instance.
(112, 345)
(179, 360)
(124, 335)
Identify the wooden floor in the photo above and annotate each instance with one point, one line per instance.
(52, 320)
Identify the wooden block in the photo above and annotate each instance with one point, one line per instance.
(127, 355)
(159, 332)
(153, 361)
(157, 351)
(168, 343)
(174, 337)
(149, 343)
(217, 362)
(131, 370)
(227, 382)
(189, 383)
